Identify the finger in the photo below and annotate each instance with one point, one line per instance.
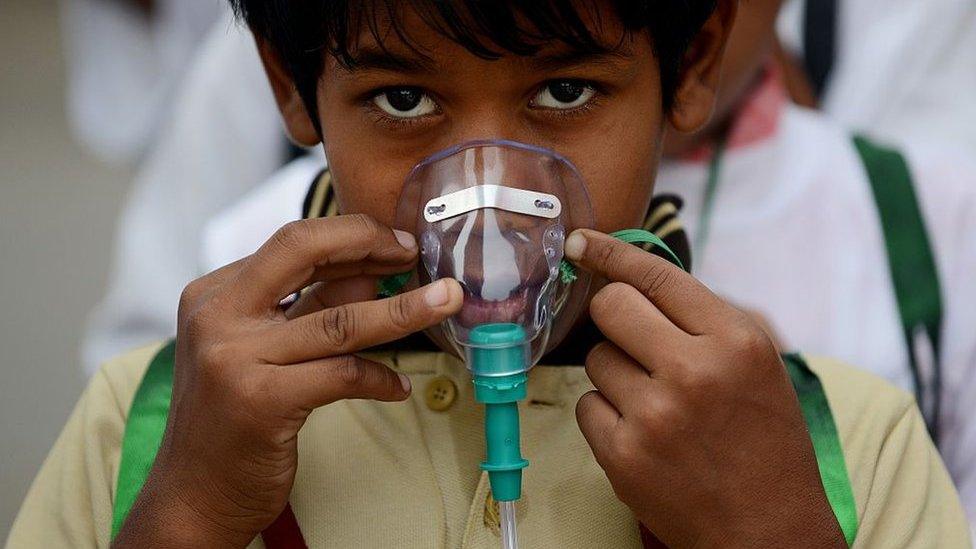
(324, 295)
(302, 251)
(597, 419)
(619, 378)
(314, 384)
(635, 324)
(357, 326)
(684, 300)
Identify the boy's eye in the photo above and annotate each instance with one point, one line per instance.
(405, 102)
(563, 94)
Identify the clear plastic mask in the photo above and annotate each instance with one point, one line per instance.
(494, 216)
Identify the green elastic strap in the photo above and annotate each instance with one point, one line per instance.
(708, 200)
(392, 285)
(826, 444)
(144, 429)
(630, 236)
(640, 236)
(910, 260)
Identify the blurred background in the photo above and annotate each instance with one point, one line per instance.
(58, 210)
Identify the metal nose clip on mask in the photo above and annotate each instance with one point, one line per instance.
(494, 216)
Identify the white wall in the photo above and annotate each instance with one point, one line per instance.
(57, 212)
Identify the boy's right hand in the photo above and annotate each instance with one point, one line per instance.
(247, 376)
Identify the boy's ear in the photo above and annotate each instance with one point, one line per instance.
(297, 122)
(695, 95)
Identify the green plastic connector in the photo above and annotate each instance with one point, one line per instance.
(498, 361)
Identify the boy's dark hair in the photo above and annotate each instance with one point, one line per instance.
(302, 32)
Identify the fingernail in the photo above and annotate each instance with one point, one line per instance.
(405, 381)
(575, 246)
(436, 294)
(405, 239)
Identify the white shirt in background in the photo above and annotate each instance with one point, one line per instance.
(795, 234)
(224, 138)
(904, 69)
(123, 67)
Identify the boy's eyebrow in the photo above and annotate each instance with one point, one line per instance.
(376, 59)
(564, 59)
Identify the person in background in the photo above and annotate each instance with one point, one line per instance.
(845, 247)
(125, 59)
(890, 69)
(224, 137)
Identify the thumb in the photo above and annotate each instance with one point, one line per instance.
(321, 382)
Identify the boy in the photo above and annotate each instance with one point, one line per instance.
(694, 426)
(787, 223)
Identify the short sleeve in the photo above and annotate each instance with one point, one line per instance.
(911, 501)
(69, 503)
(903, 493)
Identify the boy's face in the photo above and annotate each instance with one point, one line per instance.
(602, 111)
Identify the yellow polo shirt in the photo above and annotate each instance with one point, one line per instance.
(406, 474)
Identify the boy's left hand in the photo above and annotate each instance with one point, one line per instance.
(694, 419)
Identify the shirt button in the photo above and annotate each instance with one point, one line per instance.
(440, 394)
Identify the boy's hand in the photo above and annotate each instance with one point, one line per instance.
(694, 418)
(247, 375)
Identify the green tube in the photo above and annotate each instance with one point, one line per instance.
(498, 362)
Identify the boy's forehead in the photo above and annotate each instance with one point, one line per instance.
(408, 41)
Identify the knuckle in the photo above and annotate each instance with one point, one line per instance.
(191, 295)
(349, 372)
(257, 389)
(646, 413)
(197, 323)
(293, 235)
(703, 381)
(654, 280)
(213, 368)
(598, 356)
(584, 404)
(337, 327)
(663, 413)
(365, 224)
(400, 311)
(217, 355)
(749, 341)
(608, 255)
(625, 448)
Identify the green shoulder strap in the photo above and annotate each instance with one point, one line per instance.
(826, 443)
(144, 429)
(911, 263)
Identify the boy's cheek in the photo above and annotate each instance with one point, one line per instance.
(619, 166)
(367, 184)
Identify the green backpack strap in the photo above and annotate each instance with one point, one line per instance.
(144, 429)
(826, 443)
(912, 266)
